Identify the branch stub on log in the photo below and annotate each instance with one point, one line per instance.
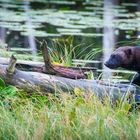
(11, 66)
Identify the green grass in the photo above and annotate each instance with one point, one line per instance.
(67, 116)
(63, 50)
(79, 116)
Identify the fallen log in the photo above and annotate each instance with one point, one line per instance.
(35, 66)
(69, 72)
(59, 70)
(51, 78)
(34, 80)
(50, 68)
(30, 65)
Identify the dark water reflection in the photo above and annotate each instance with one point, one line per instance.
(49, 20)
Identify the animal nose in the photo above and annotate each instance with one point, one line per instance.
(106, 64)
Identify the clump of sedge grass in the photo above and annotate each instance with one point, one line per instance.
(78, 116)
(63, 51)
(65, 116)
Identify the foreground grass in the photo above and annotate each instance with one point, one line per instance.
(24, 116)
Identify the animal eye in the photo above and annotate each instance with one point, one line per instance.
(128, 52)
(113, 56)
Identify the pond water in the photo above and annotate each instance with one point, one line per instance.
(78, 24)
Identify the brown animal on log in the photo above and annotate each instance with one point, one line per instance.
(127, 57)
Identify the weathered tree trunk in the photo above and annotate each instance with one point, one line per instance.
(108, 37)
(31, 38)
(35, 65)
(49, 68)
(17, 73)
(27, 80)
(33, 81)
(69, 72)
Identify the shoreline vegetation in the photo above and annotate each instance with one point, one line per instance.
(77, 33)
(65, 116)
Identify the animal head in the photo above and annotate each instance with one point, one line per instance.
(121, 57)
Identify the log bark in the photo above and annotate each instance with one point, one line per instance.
(73, 73)
(39, 81)
(36, 66)
(11, 66)
(50, 68)
(34, 81)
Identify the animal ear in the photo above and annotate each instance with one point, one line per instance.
(128, 52)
